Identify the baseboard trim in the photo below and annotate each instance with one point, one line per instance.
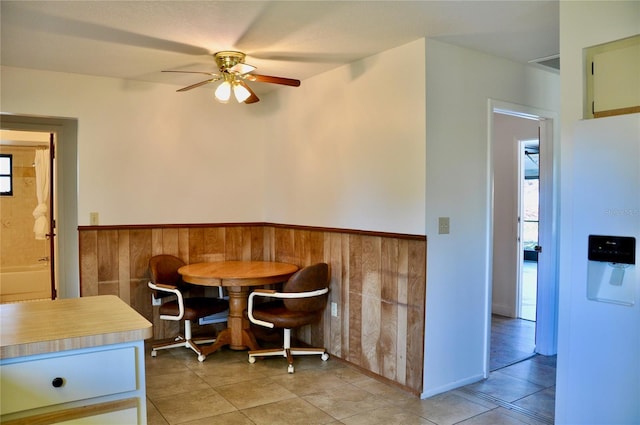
(502, 310)
(451, 386)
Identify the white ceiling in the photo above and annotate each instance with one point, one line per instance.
(296, 39)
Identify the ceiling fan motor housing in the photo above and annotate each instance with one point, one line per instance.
(228, 59)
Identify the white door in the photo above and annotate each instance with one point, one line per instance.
(528, 221)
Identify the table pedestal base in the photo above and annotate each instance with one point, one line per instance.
(224, 338)
(237, 277)
(237, 335)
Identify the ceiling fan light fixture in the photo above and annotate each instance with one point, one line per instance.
(232, 72)
(240, 92)
(223, 92)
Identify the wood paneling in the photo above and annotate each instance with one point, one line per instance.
(378, 282)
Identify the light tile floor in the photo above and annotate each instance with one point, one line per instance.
(226, 389)
(529, 290)
(512, 340)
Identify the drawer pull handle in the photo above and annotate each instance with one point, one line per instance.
(57, 382)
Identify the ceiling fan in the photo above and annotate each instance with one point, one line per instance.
(233, 72)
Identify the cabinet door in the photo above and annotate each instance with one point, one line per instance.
(616, 78)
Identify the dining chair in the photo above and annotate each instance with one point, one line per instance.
(301, 302)
(166, 283)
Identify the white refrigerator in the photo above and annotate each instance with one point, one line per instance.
(598, 374)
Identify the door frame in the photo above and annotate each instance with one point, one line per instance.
(66, 186)
(547, 297)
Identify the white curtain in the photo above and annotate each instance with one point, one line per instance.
(41, 226)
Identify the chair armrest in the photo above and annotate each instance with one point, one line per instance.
(269, 293)
(161, 287)
(259, 293)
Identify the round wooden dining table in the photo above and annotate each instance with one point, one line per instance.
(237, 277)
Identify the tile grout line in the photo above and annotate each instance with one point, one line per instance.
(509, 406)
(513, 362)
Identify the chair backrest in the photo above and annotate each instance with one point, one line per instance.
(164, 270)
(308, 279)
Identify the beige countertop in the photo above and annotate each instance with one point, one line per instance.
(48, 326)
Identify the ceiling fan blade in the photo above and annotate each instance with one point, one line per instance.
(242, 68)
(201, 83)
(252, 98)
(192, 72)
(274, 80)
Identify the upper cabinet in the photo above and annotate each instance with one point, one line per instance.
(613, 78)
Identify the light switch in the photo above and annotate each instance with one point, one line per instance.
(443, 225)
(94, 219)
(334, 309)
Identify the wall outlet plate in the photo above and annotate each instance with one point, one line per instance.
(334, 309)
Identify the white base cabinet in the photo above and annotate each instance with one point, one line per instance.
(73, 361)
(101, 385)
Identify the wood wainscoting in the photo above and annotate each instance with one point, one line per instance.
(378, 281)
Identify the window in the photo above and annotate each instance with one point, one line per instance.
(6, 175)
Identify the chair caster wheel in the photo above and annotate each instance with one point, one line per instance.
(201, 358)
(252, 360)
(324, 357)
(154, 353)
(290, 368)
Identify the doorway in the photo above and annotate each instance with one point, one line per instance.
(65, 182)
(27, 216)
(508, 254)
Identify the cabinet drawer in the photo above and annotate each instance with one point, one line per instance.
(48, 381)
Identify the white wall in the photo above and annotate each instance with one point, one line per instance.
(149, 155)
(348, 149)
(582, 24)
(344, 150)
(508, 130)
(460, 83)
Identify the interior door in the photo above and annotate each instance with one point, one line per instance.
(547, 296)
(51, 236)
(528, 219)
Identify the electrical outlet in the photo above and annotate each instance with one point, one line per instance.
(155, 301)
(443, 225)
(94, 219)
(334, 309)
